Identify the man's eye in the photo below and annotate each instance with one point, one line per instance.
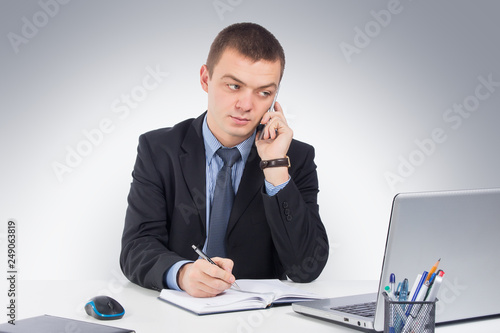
(233, 86)
(265, 93)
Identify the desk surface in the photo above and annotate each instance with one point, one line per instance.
(146, 313)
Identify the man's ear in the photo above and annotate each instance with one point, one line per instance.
(204, 77)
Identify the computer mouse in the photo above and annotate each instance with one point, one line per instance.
(104, 308)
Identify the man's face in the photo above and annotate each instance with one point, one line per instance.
(239, 93)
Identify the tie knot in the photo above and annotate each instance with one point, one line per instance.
(229, 155)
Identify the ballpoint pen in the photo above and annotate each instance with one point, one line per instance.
(416, 292)
(403, 292)
(392, 284)
(207, 258)
(413, 311)
(389, 293)
(431, 282)
(402, 295)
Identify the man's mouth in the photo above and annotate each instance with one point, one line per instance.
(239, 120)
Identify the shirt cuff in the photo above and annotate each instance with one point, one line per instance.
(273, 190)
(171, 278)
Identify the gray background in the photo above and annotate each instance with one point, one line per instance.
(364, 113)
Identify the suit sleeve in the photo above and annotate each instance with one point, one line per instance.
(293, 216)
(145, 257)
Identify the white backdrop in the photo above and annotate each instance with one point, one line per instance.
(396, 96)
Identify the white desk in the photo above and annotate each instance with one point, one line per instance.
(145, 313)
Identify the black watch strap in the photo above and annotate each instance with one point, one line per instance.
(279, 162)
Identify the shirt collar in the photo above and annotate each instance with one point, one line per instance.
(212, 144)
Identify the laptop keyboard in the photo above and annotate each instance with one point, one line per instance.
(362, 309)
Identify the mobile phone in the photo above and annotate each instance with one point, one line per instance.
(271, 109)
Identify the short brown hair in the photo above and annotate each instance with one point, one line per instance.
(249, 39)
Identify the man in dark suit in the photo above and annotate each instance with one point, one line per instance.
(274, 229)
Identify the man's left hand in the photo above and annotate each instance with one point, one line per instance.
(275, 143)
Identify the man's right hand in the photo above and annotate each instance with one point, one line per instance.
(203, 279)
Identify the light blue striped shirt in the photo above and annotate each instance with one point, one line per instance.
(213, 164)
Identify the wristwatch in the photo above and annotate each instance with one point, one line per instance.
(279, 162)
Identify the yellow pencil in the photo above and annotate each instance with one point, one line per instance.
(433, 270)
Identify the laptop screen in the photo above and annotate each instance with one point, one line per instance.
(460, 227)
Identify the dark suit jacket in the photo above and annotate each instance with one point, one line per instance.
(267, 237)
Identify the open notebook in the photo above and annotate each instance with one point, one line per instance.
(254, 294)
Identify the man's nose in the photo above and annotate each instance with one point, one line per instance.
(245, 101)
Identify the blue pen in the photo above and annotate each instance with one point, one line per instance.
(403, 293)
(417, 290)
(431, 280)
(392, 284)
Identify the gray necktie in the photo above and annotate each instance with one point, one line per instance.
(222, 204)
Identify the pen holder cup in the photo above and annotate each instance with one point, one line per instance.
(409, 317)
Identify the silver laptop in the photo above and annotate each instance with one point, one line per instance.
(460, 227)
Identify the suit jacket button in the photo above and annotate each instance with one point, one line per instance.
(285, 204)
(289, 218)
(287, 211)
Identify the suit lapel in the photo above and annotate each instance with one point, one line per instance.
(251, 182)
(193, 164)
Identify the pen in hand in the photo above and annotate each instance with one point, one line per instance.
(207, 258)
